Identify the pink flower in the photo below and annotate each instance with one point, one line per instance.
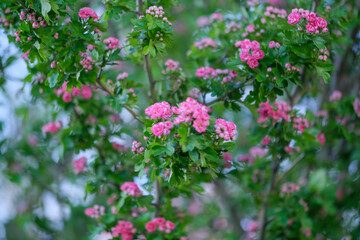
(87, 12)
(131, 188)
(217, 16)
(311, 27)
(53, 64)
(253, 226)
(258, 152)
(258, 54)
(122, 76)
(150, 226)
(25, 55)
(300, 124)
(356, 105)
(321, 23)
(272, 44)
(202, 21)
(311, 17)
(252, 62)
(124, 229)
(67, 97)
(86, 92)
(162, 110)
(171, 64)
(265, 111)
(225, 130)
(52, 127)
(321, 138)
(266, 141)
(336, 95)
(294, 18)
(112, 43)
(35, 25)
(80, 165)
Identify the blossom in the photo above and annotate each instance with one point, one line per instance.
(321, 23)
(257, 152)
(294, 18)
(289, 188)
(150, 226)
(253, 226)
(205, 42)
(124, 229)
(158, 129)
(225, 130)
(122, 76)
(258, 54)
(171, 64)
(52, 127)
(161, 224)
(80, 165)
(87, 12)
(356, 105)
(86, 92)
(131, 188)
(321, 138)
(300, 124)
(227, 158)
(95, 212)
(265, 141)
(159, 110)
(112, 43)
(336, 95)
(252, 62)
(136, 147)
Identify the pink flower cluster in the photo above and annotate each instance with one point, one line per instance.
(356, 105)
(171, 64)
(161, 224)
(52, 127)
(290, 67)
(254, 152)
(95, 212)
(335, 96)
(158, 12)
(273, 44)
(131, 188)
(250, 52)
(191, 110)
(85, 92)
(122, 76)
(216, 16)
(232, 26)
(87, 12)
(159, 110)
(205, 42)
(86, 62)
(112, 43)
(321, 138)
(275, 12)
(324, 54)
(208, 72)
(267, 111)
(119, 147)
(300, 124)
(137, 148)
(32, 19)
(80, 165)
(5, 21)
(225, 129)
(124, 229)
(314, 23)
(288, 188)
(228, 160)
(162, 128)
(205, 72)
(251, 229)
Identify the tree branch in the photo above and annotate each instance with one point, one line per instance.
(285, 173)
(147, 66)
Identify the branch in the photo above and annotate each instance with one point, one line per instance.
(147, 66)
(263, 212)
(157, 197)
(223, 97)
(285, 173)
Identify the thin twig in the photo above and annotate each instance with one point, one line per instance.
(223, 97)
(147, 66)
(285, 173)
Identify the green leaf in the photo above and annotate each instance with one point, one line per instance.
(45, 8)
(53, 79)
(318, 180)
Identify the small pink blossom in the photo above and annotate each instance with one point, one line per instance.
(80, 165)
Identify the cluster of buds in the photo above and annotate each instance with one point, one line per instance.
(137, 148)
(290, 67)
(95, 212)
(275, 12)
(86, 62)
(159, 36)
(324, 54)
(158, 12)
(314, 23)
(36, 23)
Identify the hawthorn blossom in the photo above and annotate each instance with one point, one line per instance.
(95, 212)
(52, 127)
(131, 188)
(225, 130)
(87, 12)
(124, 229)
(160, 224)
(159, 110)
(112, 43)
(80, 165)
(336, 95)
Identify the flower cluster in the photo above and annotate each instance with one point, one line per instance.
(124, 229)
(161, 224)
(80, 165)
(136, 147)
(131, 188)
(205, 72)
(86, 62)
(324, 54)
(205, 42)
(288, 188)
(225, 129)
(275, 12)
(122, 76)
(321, 138)
(87, 12)
(191, 110)
(158, 12)
(162, 128)
(95, 212)
(290, 67)
(300, 124)
(273, 44)
(171, 65)
(112, 43)
(159, 110)
(119, 147)
(267, 111)
(232, 26)
(245, 55)
(228, 160)
(314, 23)
(336, 95)
(52, 127)
(85, 92)
(31, 18)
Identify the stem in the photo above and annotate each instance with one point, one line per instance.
(284, 174)
(158, 194)
(223, 97)
(147, 66)
(264, 206)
